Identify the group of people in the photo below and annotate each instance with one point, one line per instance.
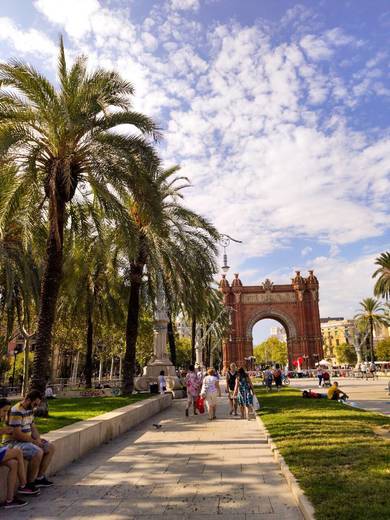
(21, 441)
(334, 393)
(238, 387)
(273, 375)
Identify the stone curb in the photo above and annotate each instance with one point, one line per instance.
(300, 498)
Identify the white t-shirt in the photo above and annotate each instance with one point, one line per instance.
(209, 385)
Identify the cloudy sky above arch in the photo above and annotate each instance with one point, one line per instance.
(278, 111)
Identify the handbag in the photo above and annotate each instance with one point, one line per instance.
(256, 404)
(199, 404)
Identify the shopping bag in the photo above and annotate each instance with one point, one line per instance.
(256, 404)
(199, 403)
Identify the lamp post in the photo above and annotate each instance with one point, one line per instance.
(17, 349)
(225, 242)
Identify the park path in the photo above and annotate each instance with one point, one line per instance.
(190, 468)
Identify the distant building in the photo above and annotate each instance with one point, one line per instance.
(336, 331)
(279, 333)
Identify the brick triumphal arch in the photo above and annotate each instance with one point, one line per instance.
(294, 305)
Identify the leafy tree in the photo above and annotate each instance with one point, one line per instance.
(54, 142)
(271, 350)
(19, 366)
(383, 350)
(345, 354)
(370, 317)
(183, 352)
(94, 287)
(382, 285)
(144, 347)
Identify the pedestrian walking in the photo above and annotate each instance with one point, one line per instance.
(268, 378)
(320, 374)
(193, 386)
(231, 376)
(162, 384)
(277, 375)
(210, 391)
(243, 392)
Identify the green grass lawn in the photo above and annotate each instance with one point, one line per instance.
(342, 465)
(70, 410)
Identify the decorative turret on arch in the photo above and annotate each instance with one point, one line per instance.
(294, 305)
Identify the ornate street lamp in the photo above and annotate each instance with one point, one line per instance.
(225, 242)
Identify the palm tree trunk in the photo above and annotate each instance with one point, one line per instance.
(50, 285)
(193, 339)
(171, 339)
(131, 332)
(136, 270)
(88, 357)
(372, 339)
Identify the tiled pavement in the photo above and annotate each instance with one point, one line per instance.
(191, 468)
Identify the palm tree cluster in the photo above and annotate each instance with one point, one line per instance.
(373, 314)
(86, 209)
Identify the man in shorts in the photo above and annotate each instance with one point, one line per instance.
(25, 436)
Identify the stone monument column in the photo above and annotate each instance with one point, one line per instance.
(160, 360)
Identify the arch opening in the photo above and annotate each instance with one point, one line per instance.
(269, 343)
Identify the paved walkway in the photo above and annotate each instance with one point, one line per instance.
(191, 468)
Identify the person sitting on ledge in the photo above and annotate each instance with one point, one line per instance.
(25, 436)
(335, 394)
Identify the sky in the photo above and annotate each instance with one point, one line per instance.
(277, 110)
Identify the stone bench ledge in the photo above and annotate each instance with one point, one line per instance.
(77, 439)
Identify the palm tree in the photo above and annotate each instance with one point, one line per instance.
(93, 286)
(61, 141)
(382, 285)
(175, 248)
(19, 276)
(370, 318)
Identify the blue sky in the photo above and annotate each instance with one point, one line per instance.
(277, 110)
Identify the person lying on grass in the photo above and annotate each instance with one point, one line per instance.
(12, 458)
(335, 394)
(309, 394)
(25, 436)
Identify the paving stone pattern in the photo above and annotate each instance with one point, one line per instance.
(191, 468)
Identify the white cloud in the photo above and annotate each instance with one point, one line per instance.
(29, 41)
(246, 118)
(183, 5)
(306, 251)
(74, 15)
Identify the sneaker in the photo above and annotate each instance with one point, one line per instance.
(28, 489)
(16, 502)
(43, 482)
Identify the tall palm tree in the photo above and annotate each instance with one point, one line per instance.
(382, 285)
(93, 286)
(62, 141)
(175, 248)
(19, 275)
(371, 317)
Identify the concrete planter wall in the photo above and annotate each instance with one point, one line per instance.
(75, 440)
